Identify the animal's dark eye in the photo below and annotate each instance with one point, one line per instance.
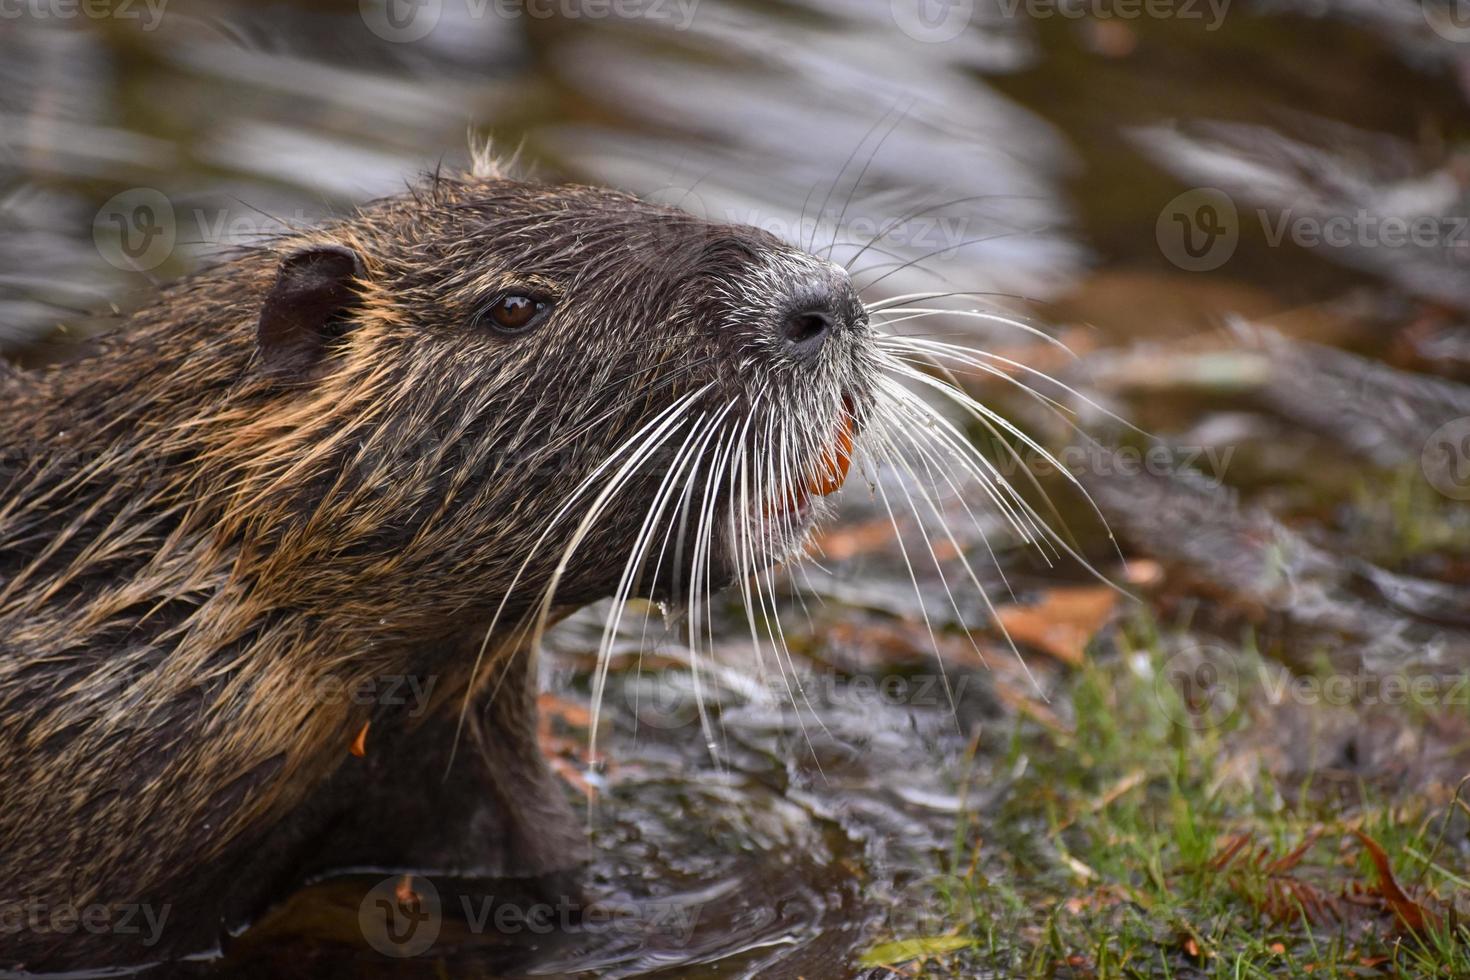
(514, 313)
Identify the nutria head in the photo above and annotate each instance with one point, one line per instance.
(457, 391)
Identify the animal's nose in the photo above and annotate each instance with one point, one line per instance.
(807, 329)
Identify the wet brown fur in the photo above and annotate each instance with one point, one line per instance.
(194, 547)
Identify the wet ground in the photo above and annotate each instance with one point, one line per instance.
(1248, 223)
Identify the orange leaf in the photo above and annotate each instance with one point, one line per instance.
(1415, 917)
(1063, 622)
(568, 712)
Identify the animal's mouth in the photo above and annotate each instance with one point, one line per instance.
(830, 472)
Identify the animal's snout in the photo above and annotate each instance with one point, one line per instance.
(808, 329)
(819, 315)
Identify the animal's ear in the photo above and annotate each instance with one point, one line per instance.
(308, 308)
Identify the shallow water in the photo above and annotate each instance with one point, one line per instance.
(806, 822)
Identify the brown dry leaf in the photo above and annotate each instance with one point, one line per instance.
(1228, 851)
(1281, 896)
(860, 539)
(569, 713)
(1128, 782)
(1111, 38)
(1409, 913)
(565, 754)
(1063, 622)
(1143, 573)
(1285, 897)
(1100, 899)
(1080, 963)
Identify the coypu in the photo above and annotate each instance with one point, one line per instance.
(395, 446)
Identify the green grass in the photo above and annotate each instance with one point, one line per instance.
(1099, 860)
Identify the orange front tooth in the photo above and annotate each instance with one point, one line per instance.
(359, 744)
(839, 459)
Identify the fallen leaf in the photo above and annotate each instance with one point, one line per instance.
(1063, 622)
(858, 539)
(1413, 916)
(568, 712)
(1143, 572)
(904, 950)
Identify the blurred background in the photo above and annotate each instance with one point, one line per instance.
(1248, 224)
